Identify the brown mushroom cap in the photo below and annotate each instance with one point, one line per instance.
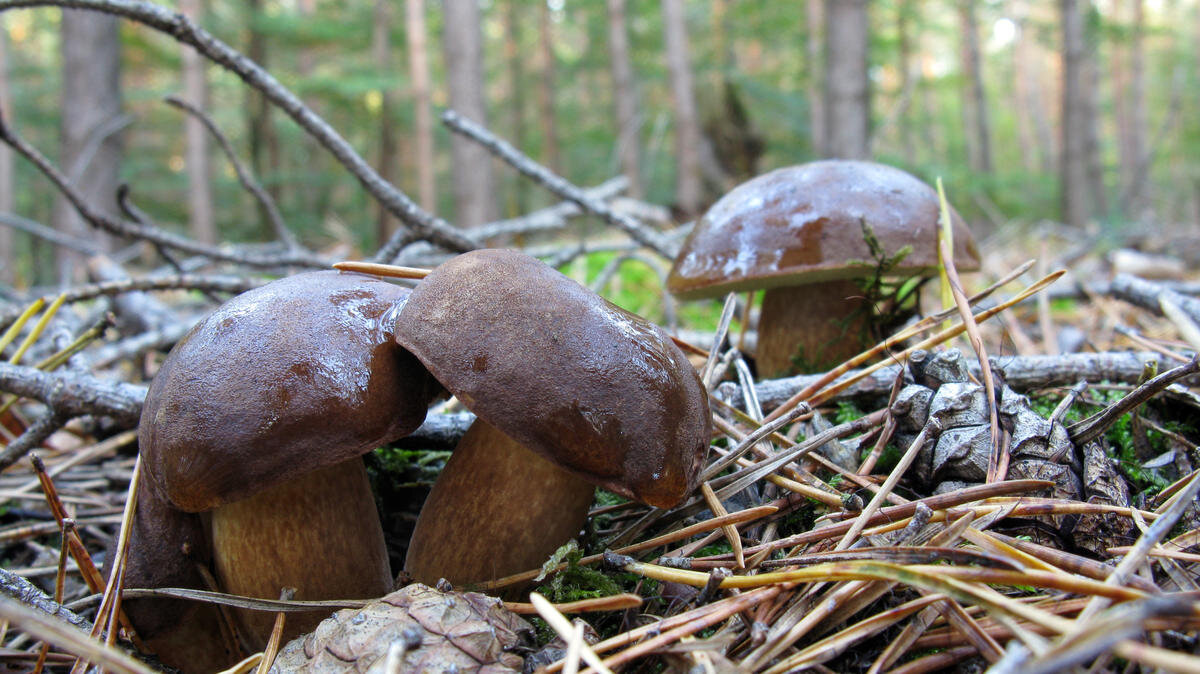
(275, 384)
(594, 388)
(802, 224)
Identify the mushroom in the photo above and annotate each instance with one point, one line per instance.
(569, 391)
(258, 418)
(168, 548)
(799, 233)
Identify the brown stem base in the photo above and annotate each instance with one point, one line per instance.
(497, 509)
(810, 328)
(319, 534)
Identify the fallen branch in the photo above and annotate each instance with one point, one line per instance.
(557, 184)
(1021, 372)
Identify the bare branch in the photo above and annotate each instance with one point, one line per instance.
(243, 174)
(48, 233)
(71, 394)
(135, 230)
(31, 439)
(557, 184)
(27, 593)
(183, 29)
(1020, 372)
(213, 283)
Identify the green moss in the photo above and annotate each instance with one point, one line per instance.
(576, 581)
(1119, 436)
(846, 412)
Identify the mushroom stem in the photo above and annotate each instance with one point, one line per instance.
(166, 548)
(496, 509)
(810, 328)
(318, 533)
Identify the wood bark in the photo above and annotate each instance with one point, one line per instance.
(90, 141)
(474, 184)
(8, 256)
(1074, 174)
(422, 100)
(516, 188)
(847, 104)
(264, 142)
(381, 54)
(546, 91)
(815, 50)
(975, 109)
(689, 193)
(624, 98)
(197, 160)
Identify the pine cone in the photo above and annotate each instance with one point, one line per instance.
(433, 631)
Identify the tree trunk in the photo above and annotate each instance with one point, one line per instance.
(517, 189)
(90, 133)
(909, 75)
(1090, 72)
(8, 257)
(1033, 128)
(689, 194)
(474, 192)
(814, 47)
(546, 91)
(1133, 159)
(847, 104)
(624, 98)
(264, 143)
(381, 54)
(199, 167)
(418, 69)
(1075, 120)
(979, 143)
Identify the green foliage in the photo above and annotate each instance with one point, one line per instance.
(846, 412)
(1120, 437)
(407, 467)
(575, 582)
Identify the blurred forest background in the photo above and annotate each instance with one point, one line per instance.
(1072, 111)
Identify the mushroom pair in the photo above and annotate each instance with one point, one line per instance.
(798, 232)
(258, 417)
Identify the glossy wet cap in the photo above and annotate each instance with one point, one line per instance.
(803, 224)
(594, 388)
(299, 374)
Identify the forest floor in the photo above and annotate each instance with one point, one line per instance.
(895, 516)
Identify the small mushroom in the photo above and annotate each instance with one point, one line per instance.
(799, 233)
(569, 391)
(258, 418)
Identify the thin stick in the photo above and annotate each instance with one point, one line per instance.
(272, 648)
(563, 626)
(386, 270)
(747, 515)
(877, 500)
(615, 602)
(559, 185)
(41, 626)
(997, 457)
(243, 174)
(730, 531)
